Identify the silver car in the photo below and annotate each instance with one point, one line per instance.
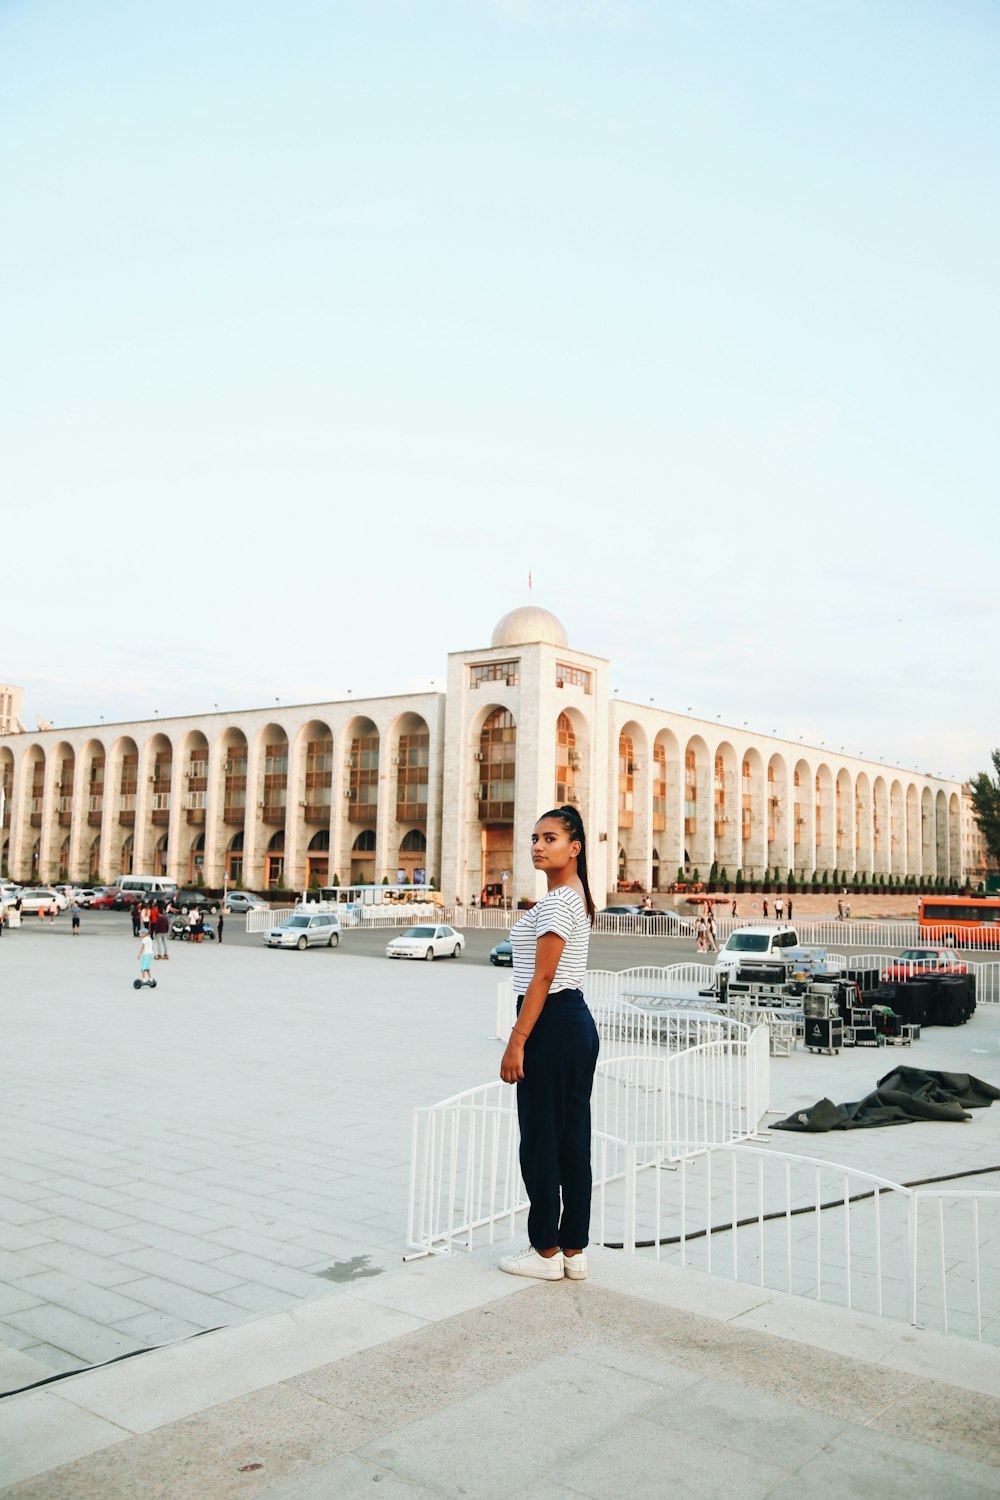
(242, 901)
(302, 931)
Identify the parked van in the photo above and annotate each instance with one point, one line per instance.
(128, 887)
(757, 943)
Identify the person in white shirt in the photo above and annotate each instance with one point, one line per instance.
(552, 1054)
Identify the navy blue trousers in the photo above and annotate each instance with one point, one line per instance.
(553, 1111)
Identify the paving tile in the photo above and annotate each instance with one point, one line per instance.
(99, 1303)
(14, 1237)
(259, 1299)
(12, 1266)
(97, 1269)
(268, 1273)
(58, 1360)
(18, 1369)
(638, 1455)
(21, 1192)
(458, 1445)
(930, 1414)
(352, 1478)
(203, 1458)
(188, 1273)
(860, 1464)
(39, 1429)
(155, 1328)
(148, 1212)
(182, 1379)
(181, 1302)
(14, 1338)
(93, 1214)
(85, 1236)
(277, 1251)
(14, 1300)
(89, 1192)
(78, 1335)
(13, 1212)
(173, 1242)
(743, 1420)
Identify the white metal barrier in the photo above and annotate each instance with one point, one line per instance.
(929, 1255)
(647, 1107)
(606, 990)
(260, 918)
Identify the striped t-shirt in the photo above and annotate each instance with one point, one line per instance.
(561, 911)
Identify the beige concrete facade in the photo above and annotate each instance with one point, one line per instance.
(451, 783)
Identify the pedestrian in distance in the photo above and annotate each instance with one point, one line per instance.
(145, 958)
(74, 913)
(552, 1054)
(699, 932)
(713, 946)
(136, 913)
(840, 908)
(53, 912)
(735, 912)
(779, 907)
(765, 908)
(159, 927)
(218, 925)
(789, 908)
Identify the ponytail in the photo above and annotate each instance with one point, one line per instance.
(571, 820)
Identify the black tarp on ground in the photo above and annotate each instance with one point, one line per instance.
(902, 1096)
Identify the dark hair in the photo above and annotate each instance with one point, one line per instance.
(571, 820)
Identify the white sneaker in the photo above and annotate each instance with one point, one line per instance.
(530, 1263)
(575, 1266)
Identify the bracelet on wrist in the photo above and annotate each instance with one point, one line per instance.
(514, 1032)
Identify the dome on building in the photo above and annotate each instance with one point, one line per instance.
(528, 624)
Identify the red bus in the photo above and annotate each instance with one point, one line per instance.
(961, 921)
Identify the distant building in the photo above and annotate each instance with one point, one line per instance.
(10, 709)
(446, 787)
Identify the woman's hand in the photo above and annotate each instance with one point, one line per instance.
(512, 1063)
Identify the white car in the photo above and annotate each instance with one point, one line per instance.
(429, 940)
(40, 898)
(302, 931)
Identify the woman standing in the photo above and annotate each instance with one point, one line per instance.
(552, 1053)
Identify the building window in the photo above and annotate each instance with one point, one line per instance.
(494, 671)
(234, 805)
(690, 792)
(319, 781)
(719, 797)
(413, 778)
(197, 784)
(659, 790)
(626, 782)
(275, 783)
(567, 760)
(497, 756)
(567, 676)
(363, 785)
(128, 785)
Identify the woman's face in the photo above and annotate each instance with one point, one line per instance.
(551, 845)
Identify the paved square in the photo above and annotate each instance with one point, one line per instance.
(238, 1139)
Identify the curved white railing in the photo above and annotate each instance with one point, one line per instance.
(928, 1255)
(646, 1107)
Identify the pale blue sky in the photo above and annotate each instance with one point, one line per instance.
(324, 322)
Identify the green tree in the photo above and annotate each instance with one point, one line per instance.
(986, 805)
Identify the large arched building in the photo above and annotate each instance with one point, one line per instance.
(451, 783)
